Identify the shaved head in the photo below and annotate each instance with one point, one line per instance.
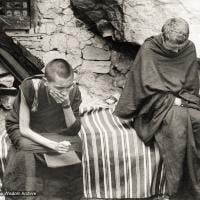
(58, 68)
(175, 30)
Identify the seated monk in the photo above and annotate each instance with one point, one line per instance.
(162, 96)
(42, 126)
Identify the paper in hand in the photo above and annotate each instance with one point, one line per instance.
(61, 160)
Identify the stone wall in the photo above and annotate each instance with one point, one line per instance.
(135, 20)
(144, 18)
(57, 33)
(98, 38)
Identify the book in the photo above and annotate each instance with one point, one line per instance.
(55, 160)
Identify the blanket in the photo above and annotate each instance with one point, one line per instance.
(116, 163)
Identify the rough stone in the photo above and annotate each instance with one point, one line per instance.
(47, 57)
(121, 62)
(84, 35)
(73, 45)
(68, 12)
(70, 22)
(59, 41)
(31, 44)
(98, 42)
(55, 4)
(59, 34)
(119, 81)
(101, 67)
(95, 53)
(50, 28)
(135, 20)
(65, 36)
(43, 7)
(144, 18)
(46, 43)
(106, 15)
(66, 19)
(64, 4)
(96, 88)
(59, 21)
(85, 43)
(46, 20)
(70, 31)
(74, 60)
(47, 28)
(42, 28)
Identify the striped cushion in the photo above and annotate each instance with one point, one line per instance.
(116, 163)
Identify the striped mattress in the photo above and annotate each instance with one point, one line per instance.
(116, 163)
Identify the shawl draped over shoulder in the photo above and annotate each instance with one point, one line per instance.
(155, 79)
(46, 117)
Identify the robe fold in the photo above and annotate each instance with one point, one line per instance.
(156, 78)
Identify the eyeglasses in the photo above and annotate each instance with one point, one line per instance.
(61, 87)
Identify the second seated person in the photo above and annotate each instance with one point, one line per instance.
(45, 121)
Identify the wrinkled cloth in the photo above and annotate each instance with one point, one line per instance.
(115, 162)
(156, 78)
(179, 141)
(23, 160)
(27, 172)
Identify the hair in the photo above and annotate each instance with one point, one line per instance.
(59, 67)
(175, 30)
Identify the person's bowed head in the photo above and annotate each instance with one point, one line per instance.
(59, 80)
(175, 33)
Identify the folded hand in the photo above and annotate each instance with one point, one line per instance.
(62, 147)
(58, 96)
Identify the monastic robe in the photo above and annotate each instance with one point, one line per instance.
(26, 169)
(155, 79)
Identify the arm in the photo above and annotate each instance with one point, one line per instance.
(72, 113)
(70, 101)
(12, 123)
(190, 89)
(69, 116)
(24, 120)
(125, 108)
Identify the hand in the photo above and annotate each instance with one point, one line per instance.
(62, 147)
(177, 101)
(60, 97)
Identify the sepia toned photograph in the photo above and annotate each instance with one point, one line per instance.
(99, 100)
